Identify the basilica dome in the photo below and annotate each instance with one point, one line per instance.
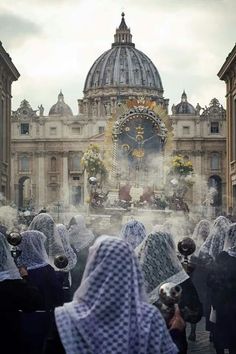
(184, 107)
(124, 66)
(60, 108)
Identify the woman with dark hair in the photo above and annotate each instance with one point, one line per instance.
(222, 283)
(109, 312)
(160, 265)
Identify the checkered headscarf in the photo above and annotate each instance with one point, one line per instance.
(109, 313)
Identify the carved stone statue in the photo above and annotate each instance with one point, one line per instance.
(107, 107)
(41, 110)
(173, 109)
(198, 109)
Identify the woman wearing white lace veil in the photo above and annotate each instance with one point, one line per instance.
(69, 252)
(133, 232)
(44, 223)
(64, 274)
(41, 274)
(200, 233)
(200, 273)
(159, 263)
(222, 283)
(230, 241)
(109, 313)
(80, 236)
(81, 239)
(15, 294)
(8, 269)
(214, 243)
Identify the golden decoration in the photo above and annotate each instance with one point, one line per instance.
(138, 153)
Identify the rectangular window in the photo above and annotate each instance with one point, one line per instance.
(215, 161)
(24, 164)
(214, 127)
(53, 131)
(101, 130)
(76, 130)
(24, 128)
(186, 130)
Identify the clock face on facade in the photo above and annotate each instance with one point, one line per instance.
(139, 139)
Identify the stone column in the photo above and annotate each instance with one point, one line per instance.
(16, 194)
(65, 197)
(41, 202)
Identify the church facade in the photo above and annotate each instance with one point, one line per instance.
(47, 148)
(8, 74)
(228, 74)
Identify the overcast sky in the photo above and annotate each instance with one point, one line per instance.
(53, 44)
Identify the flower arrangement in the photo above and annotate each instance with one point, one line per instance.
(92, 162)
(180, 166)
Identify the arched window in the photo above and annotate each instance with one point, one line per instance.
(53, 164)
(24, 164)
(76, 163)
(215, 161)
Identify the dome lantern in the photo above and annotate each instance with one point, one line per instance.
(123, 35)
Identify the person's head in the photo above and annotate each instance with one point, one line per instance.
(221, 223)
(33, 253)
(214, 243)
(159, 263)
(80, 237)
(230, 240)
(201, 231)
(133, 232)
(8, 269)
(45, 224)
(112, 268)
(78, 220)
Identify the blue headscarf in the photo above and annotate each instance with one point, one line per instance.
(133, 232)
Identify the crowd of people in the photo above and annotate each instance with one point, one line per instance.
(107, 299)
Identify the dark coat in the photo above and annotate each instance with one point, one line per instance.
(15, 295)
(46, 280)
(222, 282)
(78, 271)
(36, 326)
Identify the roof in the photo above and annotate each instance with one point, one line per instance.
(5, 57)
(229, 61)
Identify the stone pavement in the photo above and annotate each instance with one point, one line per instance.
(202, 344)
